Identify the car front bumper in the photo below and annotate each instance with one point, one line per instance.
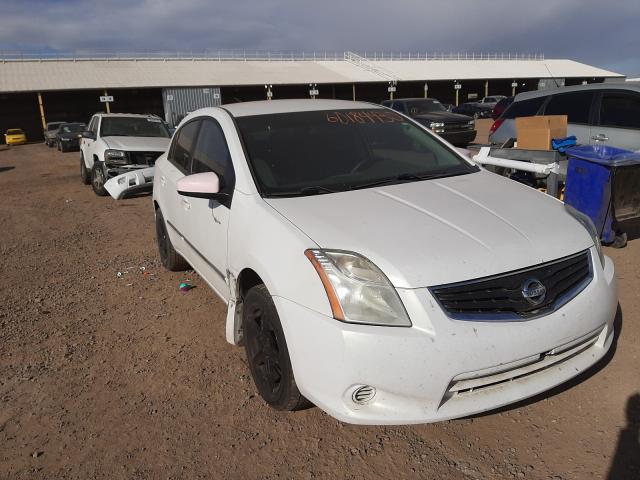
(460, 138)
(441, 368)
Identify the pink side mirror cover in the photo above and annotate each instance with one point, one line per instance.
(207, 182)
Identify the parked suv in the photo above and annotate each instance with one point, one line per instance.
(453, 127)
(116, 143)
(370, 268)
(598, 113)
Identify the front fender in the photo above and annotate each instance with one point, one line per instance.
(263, 240)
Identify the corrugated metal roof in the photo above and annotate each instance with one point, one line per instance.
(33, 75)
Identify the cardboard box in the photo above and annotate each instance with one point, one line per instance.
(535, 133)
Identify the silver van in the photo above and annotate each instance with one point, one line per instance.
(598, 113)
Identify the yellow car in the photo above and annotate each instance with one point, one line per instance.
(15, 136)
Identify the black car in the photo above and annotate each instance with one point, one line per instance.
(69, 135)
(474, 110)
(456, 129)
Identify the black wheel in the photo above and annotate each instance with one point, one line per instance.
(620, 241)
(61, 147)
(97, 180)
(171, 259)
(49, 144)
(267, 352)
(84, 173)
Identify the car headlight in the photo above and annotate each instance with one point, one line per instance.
(116, 157)
(433, 125)
(358, 291)
(588, 224)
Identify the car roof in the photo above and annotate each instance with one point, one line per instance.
(135, 115)
(266, 107)
(578, 88)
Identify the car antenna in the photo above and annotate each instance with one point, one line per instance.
(552, 77)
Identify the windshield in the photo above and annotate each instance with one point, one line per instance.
(53, 125)
(325, 151)
(416, 107)
(133, 127)
(73, 128)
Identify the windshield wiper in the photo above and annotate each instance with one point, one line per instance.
(407, 177)
(311, 190)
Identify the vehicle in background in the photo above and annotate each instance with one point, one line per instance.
(599, 113)
(491, 101)
(454, 128)
(473, 109)
(116, 143)
(501, 106)
(370, 268)
(50, 133)
(15, 136)
(69, 135)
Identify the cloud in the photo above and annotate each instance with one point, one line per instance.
(584, 30)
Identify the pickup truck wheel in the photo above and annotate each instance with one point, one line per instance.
(97, 180)
(171, 259)
(267, 352)
(84, 173)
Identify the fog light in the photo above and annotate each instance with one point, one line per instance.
(363, 394)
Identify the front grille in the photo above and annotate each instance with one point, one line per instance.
(143, 158)
(502, 297)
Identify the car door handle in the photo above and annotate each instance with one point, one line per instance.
(163, 181)
(185, 203)
(601, 137)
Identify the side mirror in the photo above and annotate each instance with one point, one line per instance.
(201, 185)
(89, 134)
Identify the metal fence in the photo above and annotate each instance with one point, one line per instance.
(260, 55)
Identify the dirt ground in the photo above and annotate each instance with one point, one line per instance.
(129, 378)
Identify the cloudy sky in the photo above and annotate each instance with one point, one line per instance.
(595, 32)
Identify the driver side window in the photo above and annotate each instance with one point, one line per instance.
(182, 147)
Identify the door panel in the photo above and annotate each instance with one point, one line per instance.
(176, 167)
(618, 120)
(207, 221)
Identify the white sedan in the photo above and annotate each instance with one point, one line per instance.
(373, 270)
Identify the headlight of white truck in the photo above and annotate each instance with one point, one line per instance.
(116, 157)
(358, 291)
(588, 224)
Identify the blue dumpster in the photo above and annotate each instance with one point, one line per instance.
(604, 183)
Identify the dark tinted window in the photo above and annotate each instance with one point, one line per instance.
(575, 105)
(524, 108)
(399, 106)
(211, 154)
(93, 125)
(133, 127)
(620, 110)
(182, 145)
(340, 150)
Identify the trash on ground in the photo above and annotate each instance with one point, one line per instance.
(186, 286)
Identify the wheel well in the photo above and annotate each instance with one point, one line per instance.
(246, 280)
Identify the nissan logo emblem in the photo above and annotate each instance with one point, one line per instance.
(534, 291)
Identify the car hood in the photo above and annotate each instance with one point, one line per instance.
(440, 231)
(442, 117)
(70, 135)
(138, 144)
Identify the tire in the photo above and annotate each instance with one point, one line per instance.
(84, 173)
(620, 241)
(267, 353)
(49, 144)
(97, 180)
(62, 148)
(171, 259)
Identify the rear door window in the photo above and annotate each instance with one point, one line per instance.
(524, 108)
(576, 105)
(182, 146)
(620, 109)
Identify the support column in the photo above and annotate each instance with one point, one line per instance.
(457, 97)
(486, 88)
(42, 118)
(354, 92)
(106, 104)
(513, 88)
